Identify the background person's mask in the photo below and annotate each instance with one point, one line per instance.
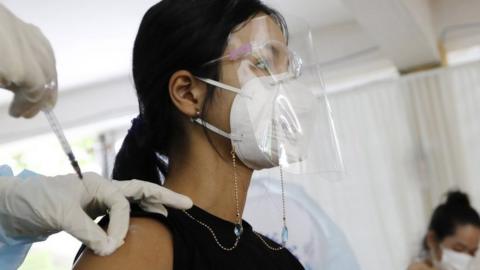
(453, 260)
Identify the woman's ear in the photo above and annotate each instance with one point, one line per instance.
(187, 93)
(431, 240)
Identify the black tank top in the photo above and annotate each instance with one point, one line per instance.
(194, 246)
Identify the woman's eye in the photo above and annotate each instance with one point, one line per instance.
(262, 64)
(460, 249)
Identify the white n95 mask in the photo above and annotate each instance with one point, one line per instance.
(270, 121)
(453, 260)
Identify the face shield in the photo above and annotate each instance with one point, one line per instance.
(280, 115)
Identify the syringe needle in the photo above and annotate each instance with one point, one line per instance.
(75, 165)
(57, 129)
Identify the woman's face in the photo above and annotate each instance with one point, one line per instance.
(465, 240)
(261, 29)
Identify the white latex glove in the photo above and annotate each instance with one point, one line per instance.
(37, 207)
(27, 66)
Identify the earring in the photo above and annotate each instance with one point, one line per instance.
(198, 114)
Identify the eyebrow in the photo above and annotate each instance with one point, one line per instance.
(273, 49)
(247, 48)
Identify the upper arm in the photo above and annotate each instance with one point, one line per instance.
(148, 245)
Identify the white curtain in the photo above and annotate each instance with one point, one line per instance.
(405, 142)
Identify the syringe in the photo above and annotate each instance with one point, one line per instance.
(57, 129)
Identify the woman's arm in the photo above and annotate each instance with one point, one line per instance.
(148, 245)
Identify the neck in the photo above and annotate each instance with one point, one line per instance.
(208, 180)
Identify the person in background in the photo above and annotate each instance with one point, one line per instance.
(453, 236)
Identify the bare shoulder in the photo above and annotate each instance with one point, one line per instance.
(148, 245)
(420, 266)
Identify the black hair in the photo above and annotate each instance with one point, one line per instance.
(447, 217)
(175, 35)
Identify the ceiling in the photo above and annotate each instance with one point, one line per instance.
(319, 13)
(93, 39)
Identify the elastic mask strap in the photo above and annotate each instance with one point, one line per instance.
(220, 85)
(215, 129)
(223, 86)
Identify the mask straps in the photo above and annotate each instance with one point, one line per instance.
(215, 129)
(209, 126)
(223, 86)
(220, 85)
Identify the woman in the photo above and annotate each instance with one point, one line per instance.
(453, 236)
(182, 132)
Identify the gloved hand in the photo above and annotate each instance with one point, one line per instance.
(27, 66)
(39, 206)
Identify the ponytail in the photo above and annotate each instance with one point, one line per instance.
(137, 158)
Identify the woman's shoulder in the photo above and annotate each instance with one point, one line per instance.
(420, 266)
(281, 256)
(146, 239)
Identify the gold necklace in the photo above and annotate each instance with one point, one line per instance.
(238, 229)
